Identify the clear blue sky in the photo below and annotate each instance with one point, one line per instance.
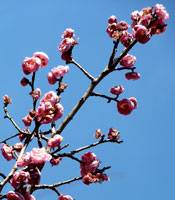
(143, 166)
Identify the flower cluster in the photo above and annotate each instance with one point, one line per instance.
(32, 64)
(49, 109)
(67, 43)
(37, 157)
(89, 169)
(145, 23)
(57, 73)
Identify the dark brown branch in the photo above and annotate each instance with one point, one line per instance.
(117, 60)
(11, 137)
(105, 97)
(116, 43)
(82, 69)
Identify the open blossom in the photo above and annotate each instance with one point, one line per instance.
(43, 57)
(126, 106)
(38, 156)
(65, 197)
(55, 141)
(67, 43)
(161, 12)
(20, 178)
(117, 90)
(56, 73)
(49, 109)
(132, 76)
(14, 196)
(128, 61)
(31, 64)
(7, 152)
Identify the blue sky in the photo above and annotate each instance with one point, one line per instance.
(143, 166)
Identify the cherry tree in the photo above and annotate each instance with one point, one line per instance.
(24, 177)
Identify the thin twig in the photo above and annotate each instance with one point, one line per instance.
(105, 97)
(13, 136)
(7, 116)
(45, 186)
(82, 69)
(116, 43)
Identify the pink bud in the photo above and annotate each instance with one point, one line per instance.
(43, 57)
(24, 81)
(55, 141)
(113, 134)
(134, 102)
(27, 120)
(51, 78)
(14, 196)
(65, 197)
(7, 100)
(30, 65)
(142, 34)
(7, 152)
(18, 146)
(55, 161)
(125, 106)
(117, 90)
(98, 133)
(36, 93)
(68, 33)
(112, 19)
(132, 76)
(128, 61)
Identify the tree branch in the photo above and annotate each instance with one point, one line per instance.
(82, 69)
(105, 97)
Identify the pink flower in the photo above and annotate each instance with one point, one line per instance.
(55, 161)
(36, 93)
(113, 134)
(68, 33)
(98, 134)
(27, 120)
(126, 38)
(67, 43)
(7, 152)
(39, 156)
(43, 57)
(20, 178)
(56, 73)
(128, 61)
(132, 76)
(142, 34)
(24, 82)
(161, 12)
(117, 90)
(134, 102)
(31, 64)
(55, 141)
(49, 109)
(112, 19)
(14, 196)
(126, 106)
(65, 197)
(7, 100)
(18, 146)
